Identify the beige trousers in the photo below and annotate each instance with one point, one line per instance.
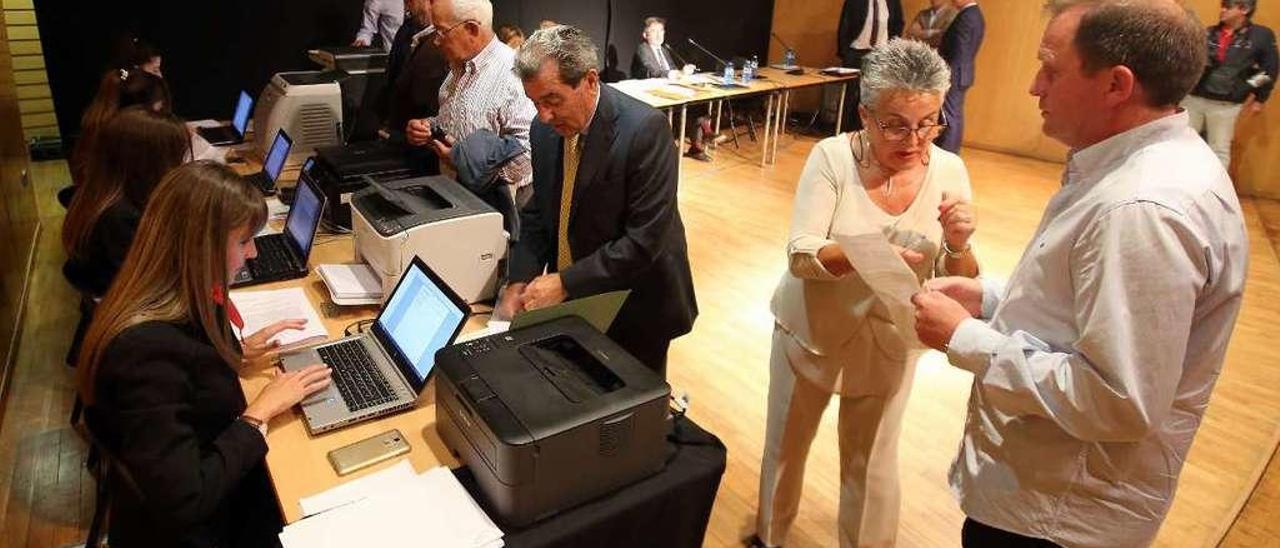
(868, 430)
(1217, 120)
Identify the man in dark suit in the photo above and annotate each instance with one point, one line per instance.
(959, 47)
(653, 60)
(604, 215)
(864, 24)
(415, 70)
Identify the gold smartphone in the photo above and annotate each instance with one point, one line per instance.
(368, 452)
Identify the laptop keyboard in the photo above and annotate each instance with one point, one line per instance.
(360, 382)
(273, 258)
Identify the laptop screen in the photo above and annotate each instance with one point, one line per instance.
(277, 155)
(240, 120)
(422, 316)
(304, 216)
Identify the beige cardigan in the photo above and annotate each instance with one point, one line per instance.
(852, 343)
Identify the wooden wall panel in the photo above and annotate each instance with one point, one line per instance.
(1000, 114)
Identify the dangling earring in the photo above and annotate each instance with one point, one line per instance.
(926, 157)
(861, 152)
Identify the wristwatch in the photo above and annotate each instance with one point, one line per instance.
(259, 425)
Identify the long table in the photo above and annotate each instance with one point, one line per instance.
(681, 494)
(776, 85)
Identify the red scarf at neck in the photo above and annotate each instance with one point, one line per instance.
(220, 299)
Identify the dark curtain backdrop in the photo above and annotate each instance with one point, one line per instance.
(215, 48)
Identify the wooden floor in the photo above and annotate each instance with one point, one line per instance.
(736, 215)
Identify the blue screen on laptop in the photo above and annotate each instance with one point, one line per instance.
(420, 319)
(241, 118)
(277, 155)
(304, 215)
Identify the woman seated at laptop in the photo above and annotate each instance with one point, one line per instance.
(139, 147)
(158, 374)
(119, 89)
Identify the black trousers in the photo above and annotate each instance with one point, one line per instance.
(852, 97)
(953, 111)
(650, 350)
(978, 535)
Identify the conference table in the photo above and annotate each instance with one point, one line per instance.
(298, 465)
(776, 85)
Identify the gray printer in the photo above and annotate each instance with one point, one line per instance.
(456, 234)
(550, 416)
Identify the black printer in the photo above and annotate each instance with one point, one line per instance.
(341, 171)
(550, 416)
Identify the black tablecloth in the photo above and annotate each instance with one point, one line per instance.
(669, 509)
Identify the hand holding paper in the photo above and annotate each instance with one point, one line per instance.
(937, 318)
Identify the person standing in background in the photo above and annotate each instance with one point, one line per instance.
(931, 22)
(381, 17)
(1240, 75)
(864, 24)
(960, 48)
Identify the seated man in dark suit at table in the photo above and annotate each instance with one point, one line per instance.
(604, 214)
(653, 59)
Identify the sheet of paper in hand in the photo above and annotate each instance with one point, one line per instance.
(888, 276)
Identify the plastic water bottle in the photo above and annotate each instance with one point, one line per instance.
(749, 70)
(789, 58)
(728, 73)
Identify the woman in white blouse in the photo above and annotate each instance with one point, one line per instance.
(833, 335)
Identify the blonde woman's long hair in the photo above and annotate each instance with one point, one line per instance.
(177, 262)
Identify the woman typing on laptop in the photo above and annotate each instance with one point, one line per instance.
(158, 374)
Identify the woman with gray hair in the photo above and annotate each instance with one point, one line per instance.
(832, 333)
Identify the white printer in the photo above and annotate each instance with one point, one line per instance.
(307, 105)
(435, 218)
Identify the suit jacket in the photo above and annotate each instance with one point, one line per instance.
(854, 15)
(960, 45)
(625, 230)
(104, 252)
(166, 408)
(646, 65)
(414, 76)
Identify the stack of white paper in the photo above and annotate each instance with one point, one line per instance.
(431, 509)
(358, 489)
(351, 284)
(262, 308)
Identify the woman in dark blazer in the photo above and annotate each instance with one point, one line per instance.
(158, 374)
(138, 148)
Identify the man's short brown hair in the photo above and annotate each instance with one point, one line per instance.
(1161, 41)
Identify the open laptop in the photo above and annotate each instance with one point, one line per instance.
(273, 164)
(233, 133)
(383, 371)
(284, 256)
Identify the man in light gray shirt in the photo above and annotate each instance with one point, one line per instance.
(381, 17)
(1094, 364)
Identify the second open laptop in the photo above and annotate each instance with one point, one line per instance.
(233, 133)
(284, 256)
(273, 164)
(383, 370)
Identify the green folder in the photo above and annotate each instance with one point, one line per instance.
(598, 310)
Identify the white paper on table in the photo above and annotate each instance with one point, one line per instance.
(358, 489)
(883, 270)
(262, 308)
(430, 509)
